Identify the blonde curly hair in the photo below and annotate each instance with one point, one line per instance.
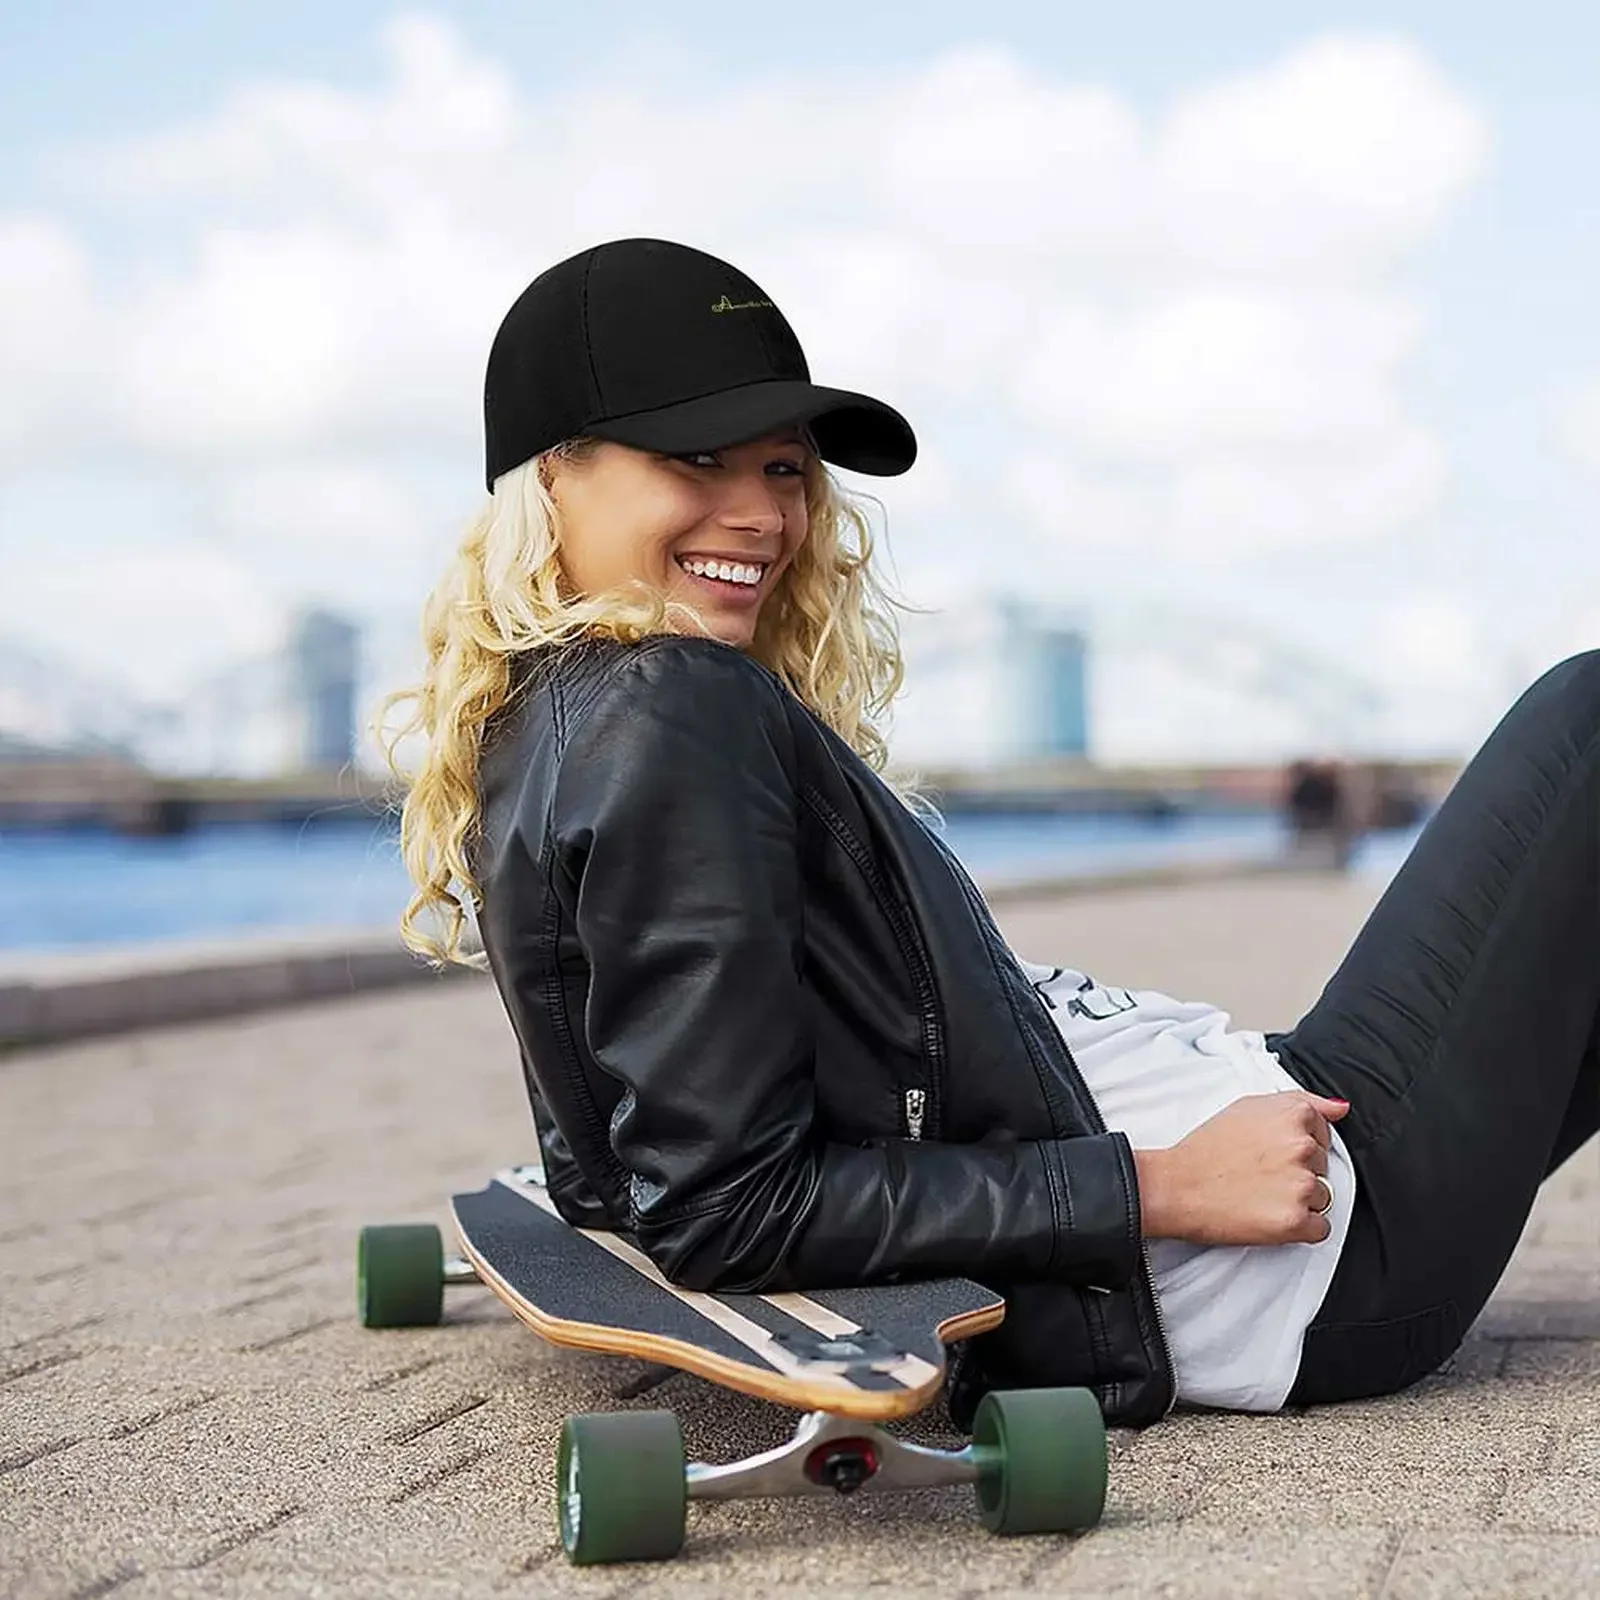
(827, 631)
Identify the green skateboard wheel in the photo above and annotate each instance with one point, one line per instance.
(1045, 1460)
(621, 1489)
(400, 1276)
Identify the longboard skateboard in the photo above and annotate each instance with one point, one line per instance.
(851, 1359)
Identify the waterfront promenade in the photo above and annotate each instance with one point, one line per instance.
(188, 1406)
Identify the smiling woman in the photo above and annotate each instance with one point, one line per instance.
(655, 456)
(715, 531)
(769, 1028)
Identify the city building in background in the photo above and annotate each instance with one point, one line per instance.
(1052, 681)
(996, 680)
(324, 661)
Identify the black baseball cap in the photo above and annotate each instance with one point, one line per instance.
(663, 347)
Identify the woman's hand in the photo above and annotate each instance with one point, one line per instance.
(1255, 1173)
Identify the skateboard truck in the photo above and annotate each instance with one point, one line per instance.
(834, 1455)
(458, 1272)
(1037, 1462)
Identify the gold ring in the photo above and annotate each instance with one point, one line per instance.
(1322, 1211)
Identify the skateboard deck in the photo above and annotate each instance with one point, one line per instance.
(851, 1359)
(872, 1353)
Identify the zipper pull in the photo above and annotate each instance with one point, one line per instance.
(916, 1101)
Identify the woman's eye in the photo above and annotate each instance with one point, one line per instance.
(698, 458)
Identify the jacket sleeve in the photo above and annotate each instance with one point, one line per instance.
(676, 830)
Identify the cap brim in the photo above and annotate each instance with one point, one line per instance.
(851, 430)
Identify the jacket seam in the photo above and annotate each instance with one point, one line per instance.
(912, 950)
(598, 680)
(595, 675)
(1001, 969)
(1112, 1389)
(1060, 1208)
(702, 1205)
(561, 1022)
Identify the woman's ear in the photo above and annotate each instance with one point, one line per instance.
(554, 464)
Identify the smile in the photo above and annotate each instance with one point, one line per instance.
(734, 574)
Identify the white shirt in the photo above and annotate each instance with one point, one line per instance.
(1235, 1316)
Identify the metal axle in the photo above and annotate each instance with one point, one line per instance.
(836, 1455)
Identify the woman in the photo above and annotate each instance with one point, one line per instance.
(768, 1026)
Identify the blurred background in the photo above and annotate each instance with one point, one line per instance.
(1250, 349)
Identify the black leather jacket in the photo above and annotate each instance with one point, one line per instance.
(770, 1029)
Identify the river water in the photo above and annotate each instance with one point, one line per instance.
(71, 890)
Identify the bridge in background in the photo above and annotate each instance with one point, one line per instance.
(121, 796)
(228, 714)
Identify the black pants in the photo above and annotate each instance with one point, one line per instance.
(1462, 1027)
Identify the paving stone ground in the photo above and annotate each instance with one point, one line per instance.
(188, 1406)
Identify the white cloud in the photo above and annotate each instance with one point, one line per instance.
(1571, 628)
(49, 327)
(154, 621)
(1432, 636)
(1233, 504)
(296, 149)
(1578, 424)
(1094, 513)
(1333, 161)
(298, 340)
(1176, 334)
(1195, 370)
(317, 506)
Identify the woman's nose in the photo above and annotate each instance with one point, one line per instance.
(751, 501)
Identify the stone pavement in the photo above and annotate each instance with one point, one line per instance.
(189, 1407)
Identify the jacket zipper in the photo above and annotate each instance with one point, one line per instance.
(1096, 1121)
(916, 1105)
(920, 1106)
(1161, 1321)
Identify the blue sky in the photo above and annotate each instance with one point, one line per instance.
(75, 68)
(1498, 542)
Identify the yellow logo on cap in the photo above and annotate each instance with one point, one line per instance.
(725, 304)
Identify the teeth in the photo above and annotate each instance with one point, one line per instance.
(728, 571)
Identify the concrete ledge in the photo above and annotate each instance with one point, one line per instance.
(78, 993)
(72, 994)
